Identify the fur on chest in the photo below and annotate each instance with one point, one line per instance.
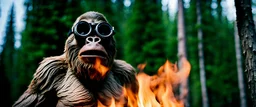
(72, 92)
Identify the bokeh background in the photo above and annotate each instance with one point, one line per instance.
(146, 32)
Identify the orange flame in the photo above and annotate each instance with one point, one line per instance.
(99, 67)
(158, 90)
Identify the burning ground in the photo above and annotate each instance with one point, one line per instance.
(159, 90)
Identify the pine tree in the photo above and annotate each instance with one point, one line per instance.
(247, 35)
(145, 35)
(201, 56)
(182, 51)
(219, 56)
(240, 74)
(7, 60)
(192, 50)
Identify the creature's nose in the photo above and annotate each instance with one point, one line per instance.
(93, 39)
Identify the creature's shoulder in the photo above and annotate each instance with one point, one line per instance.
(40, 92)
(123, 72)
(49, 73)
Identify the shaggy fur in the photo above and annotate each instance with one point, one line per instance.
(65, 80)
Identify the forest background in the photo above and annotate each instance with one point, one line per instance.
(145, 32)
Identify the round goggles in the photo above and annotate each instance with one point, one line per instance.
(85, 29)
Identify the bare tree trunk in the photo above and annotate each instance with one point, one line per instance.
(184, 92)
(240, 70)
(201, 55)
(246, 31)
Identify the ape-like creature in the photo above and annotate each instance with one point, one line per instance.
(86, 73)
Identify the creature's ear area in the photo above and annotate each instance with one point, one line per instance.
(69, 32)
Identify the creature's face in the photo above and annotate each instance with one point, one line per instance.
(91, 47)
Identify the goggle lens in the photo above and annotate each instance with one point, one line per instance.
(104, 29)
(83, 28)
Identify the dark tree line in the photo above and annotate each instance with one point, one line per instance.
(7, 60)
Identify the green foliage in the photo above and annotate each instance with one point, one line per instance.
(219, 54)
(221, 63)
(172, 41)
(145, 36)
(192, 51)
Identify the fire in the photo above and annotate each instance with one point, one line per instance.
(99, 67)
(158, 90)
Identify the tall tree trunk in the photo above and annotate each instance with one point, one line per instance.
(240, 70)
(219, 10)
(184, 92)
(246, 31)
(201, 55)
